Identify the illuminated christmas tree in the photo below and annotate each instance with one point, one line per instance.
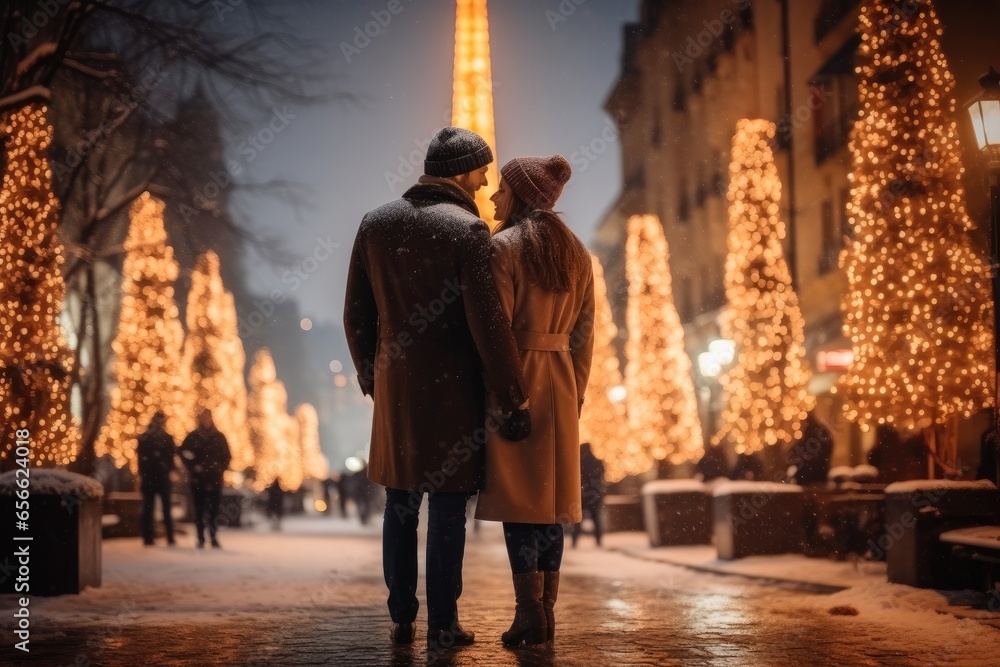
(472, 93)
(604, 422)
(273, 432)
(214, 359)
(662, 407)
(314, 463)
(767, 383)
(147, 345)
(918, 310)
(35, 363)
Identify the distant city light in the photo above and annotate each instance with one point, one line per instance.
(320, 505)
(306, 324)
(354, 464)
(617, 393)
(336, 366)
(340, 380)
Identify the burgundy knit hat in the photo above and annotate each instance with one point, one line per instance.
(537, 180)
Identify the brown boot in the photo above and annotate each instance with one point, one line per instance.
(550, 592)
(529, 615)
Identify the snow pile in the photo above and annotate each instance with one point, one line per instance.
(861, 473)
(769, 488)
(668, 486)
(915, 485)
(53, 482)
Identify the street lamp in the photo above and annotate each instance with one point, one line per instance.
(984, 109)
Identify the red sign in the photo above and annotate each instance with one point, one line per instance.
(836, 361)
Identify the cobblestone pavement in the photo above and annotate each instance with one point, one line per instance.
(613, 610)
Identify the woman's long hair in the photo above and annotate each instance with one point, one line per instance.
(553, 255)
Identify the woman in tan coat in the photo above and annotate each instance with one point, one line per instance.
(546, 286)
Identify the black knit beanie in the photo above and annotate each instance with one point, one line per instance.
(455, 151)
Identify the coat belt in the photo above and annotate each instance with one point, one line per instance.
(545, 342)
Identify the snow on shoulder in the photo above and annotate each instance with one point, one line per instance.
(739, 486)
(915, 485)
(53, 482)
(667, 486)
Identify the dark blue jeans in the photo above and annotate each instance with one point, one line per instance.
(445, 551)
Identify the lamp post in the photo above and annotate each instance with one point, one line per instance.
(984, 109)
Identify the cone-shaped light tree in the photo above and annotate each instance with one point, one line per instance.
(214, 359)
(274, 440)
(918, 310)
(767, 383)
(662, 407)
(604, 421)
(35, 362)
(314, 463)
(147, 345)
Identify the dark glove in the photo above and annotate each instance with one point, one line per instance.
(517, 426)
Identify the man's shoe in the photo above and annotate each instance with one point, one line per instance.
(215, 543)
(201, 544)
(448, 637)
(402, 633)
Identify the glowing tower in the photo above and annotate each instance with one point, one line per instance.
(472, 101)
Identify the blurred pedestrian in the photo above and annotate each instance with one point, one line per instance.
(712, 464)
(155, 451)
(748, 467)
(809, 458)
(206, 456)
(592, 487)
(343, 482)
(275, 508)
(896, 458)
(988, 454)
(363, 493)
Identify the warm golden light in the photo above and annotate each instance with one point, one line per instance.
(472, 96)
(274, 434)
(314, 463)
(214, 360)
(148, 341)
(37, 364)
(766, 385)
(604, 422)
(918, 310)
(660, 396)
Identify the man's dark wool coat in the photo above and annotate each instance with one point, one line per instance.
(426, 331)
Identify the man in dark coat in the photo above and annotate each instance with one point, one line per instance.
(810, 455)
(429, 338)
(155, 451)
(205, 453)
(712, 464)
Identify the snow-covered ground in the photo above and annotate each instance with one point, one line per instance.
(322, 578)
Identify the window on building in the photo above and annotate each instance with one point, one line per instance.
(830, 230)
(685, 299)
(834, 102)
(680, 97)
(831, 13)
(846, 229)
(656, 135)
(701, 189)
(684, 203)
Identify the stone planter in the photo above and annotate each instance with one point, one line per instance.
(916, 513)
(758, 518)
(622, 513)
(677, 512)
(64, 523)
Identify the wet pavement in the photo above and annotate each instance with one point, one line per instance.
(613, 610)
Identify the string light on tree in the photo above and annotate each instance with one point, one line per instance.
(215, 361)
(767, 383)
(662, 407)
(274, 453)
(35, 362)
(918, 310)
(314, 463)
(604, 422)
(148, 341)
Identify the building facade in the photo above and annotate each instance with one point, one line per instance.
(689, 72)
